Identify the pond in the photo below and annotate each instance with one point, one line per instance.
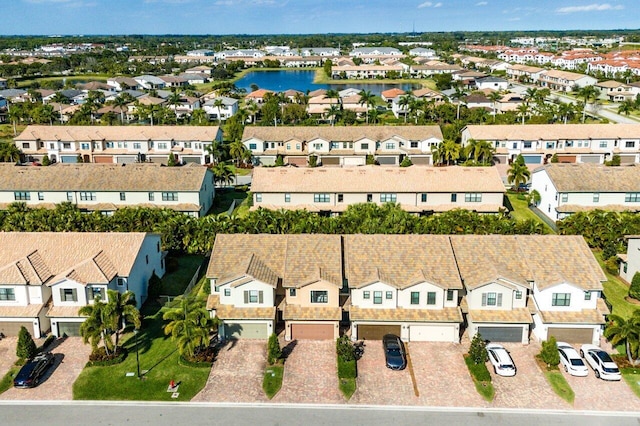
(302, 80)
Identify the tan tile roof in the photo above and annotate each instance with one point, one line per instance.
(64, 312)
(401, 314)
(377, 179)
(341, 133)
(400, 260)
(514, 316)
(526, 68)
(103, 177)
(553, 132)
(29, 311)
(325, 313)
(593, 177)
(311, 258)
(566, 75)
(574, 208)
(118, 133)
(35, 258)
(584, 316)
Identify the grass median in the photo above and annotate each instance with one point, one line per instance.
(481, 378)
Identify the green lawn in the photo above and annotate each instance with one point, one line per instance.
(158, 355)
(633, 380)
(272, 381)
(481, 378)
(522, 212)
(224, 198)
(560, 385)
(175, 283)
(7, 380)
(72, 79)
(321, 78)
(347, 387)
(615, 291)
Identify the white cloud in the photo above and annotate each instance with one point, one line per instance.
(482, 3)
(594, 7)
(429, 4)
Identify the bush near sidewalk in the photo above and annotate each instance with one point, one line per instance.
(548, 360)
(274, 372)
(347, 366)
(476, 363)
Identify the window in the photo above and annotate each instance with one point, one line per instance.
(334, 145)
(415, 297)
(340, 198)
(136, 145)
(366, 295)
(377, 298)
(66, 145)
(564, 197)
(454, 198)
(603, 144)
(319, 296)
(158, 247)
(227, 292)
(146, 258)
(321, 198)
(526, 144)
(364, 146)
(287, 198)
(109, 144)
(288, 146)
(492, 299)
(152, 196)
(292, 292)
(390, 145)
(569, 144)
(518, 294)
(70, 196)
(388, 198)
(258, 198)
(550, 145)
(389, 295)
(186, 145)
(87, 196)
(123, 196)
(41, 196)
(7, 294)
(84, 146)
(253, 146)
(450, 295)
(629, 144)
(122, 282)
(431, 298)
(473, 197)
(317, 146)
(369, 198)
(52, 146)
(68, 295)
(22, 195)
(162, 145)
(596, 197)
(632, 197)
(94, 292)
(169, 196)
(587, 295)
(561, 299)
(413, 144)
(423, 198)
(253, 296)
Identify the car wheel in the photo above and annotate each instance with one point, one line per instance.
(597, 373)
(566, 369)
(581, 354)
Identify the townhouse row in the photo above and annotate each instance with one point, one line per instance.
(420, 287)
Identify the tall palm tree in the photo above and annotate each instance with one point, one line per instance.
(566, 110)
(9, 152)
(236, 150)
(518, 174)
(121, 308)
(223, 174)
(121, 103)
(219, 103)
(333, 112)
(480, 150)
(403, 103)
(189, 325)
(626, 108)
(494, 97)
(215, 151)
(587, 93)
(367, 99)
(523, 110)
(450, 151)
(625, 330)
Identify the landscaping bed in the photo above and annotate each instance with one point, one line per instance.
(481, 378)
(557, 381)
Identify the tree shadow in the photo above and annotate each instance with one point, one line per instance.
(288, 349)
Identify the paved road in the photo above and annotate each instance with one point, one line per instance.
(163, 414)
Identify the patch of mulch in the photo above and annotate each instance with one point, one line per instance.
(632, 300)
(543, 365)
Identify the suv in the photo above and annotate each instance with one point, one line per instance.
(501, 360)
(31, 373)
(603, 366)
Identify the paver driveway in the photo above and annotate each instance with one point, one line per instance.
(377, 384)
(529, 387)
(442, 376)
(236, 375)
(311, 374)
(7, 354)
(70, 357)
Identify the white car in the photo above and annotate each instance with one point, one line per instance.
(571, 361)
(501, 360)
(602, 364)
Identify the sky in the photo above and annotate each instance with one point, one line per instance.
(73, 17)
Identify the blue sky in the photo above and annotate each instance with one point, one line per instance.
(309, 16)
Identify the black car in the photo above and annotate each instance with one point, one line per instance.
(394, 352)
(31, 373)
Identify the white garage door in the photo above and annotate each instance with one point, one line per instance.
(245, 330)
(354, 161)
(432, 333)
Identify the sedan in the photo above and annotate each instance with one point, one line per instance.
(31, 373)
(571, 361)
(502, 363)
(394, 352)
(602, 364)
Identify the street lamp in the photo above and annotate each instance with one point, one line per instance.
(135, 333)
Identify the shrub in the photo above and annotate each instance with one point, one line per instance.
(345, 349)
(370, 160)
(609, 250)
(611, 265)
(45, 160)
(634, 289)
(26, 347)
(313, 160)
(406, 162)
(99, 358)
(549, 352)
(478, 350)
(479, 371)
(279, 161)
(274, 353)
(155, 286)
(554, 158)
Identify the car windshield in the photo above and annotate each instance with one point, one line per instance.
(506, 366)
(604, 356)
(577, 362)
(393, 350)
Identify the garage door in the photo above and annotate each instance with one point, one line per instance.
(388, 161)
(432, 333)
(532, 159)
(376, 332)
(245, 331)
(69, 158)
(572, 335)
(13, 328)
(69, 328)
(501, 334)
(354, 161)
(627, 159)
(567, 158)
(593, 159)
(312, 331)
(298, 161)
(125, 159)
(421, 161)
(195, 160)
(108, 159)
(330, 161)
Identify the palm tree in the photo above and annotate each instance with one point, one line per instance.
(480, 150)
(252, 108)
(523, 110)
(333, 112)
(587, 93)
(449, 151)
(222, 174)
(219, 103)
(215, 151)
(626, 108)
(121, 103)
(9, 152)
(174, 100)
(566, 110)
(367, 99)
(626, 330)
(236, 150)
(518, 173)
(198, 116)
(121, 308)
(189, 325)
(494, 97)
(403, 103)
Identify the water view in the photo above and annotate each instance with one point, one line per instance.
(302, 80)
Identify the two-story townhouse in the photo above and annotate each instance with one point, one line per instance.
(569, 188)
(630, 261)
(42, 287)
(118, 144)
(220, 108)
(107, 188)
(150, 82)
(407, 285)
(564, 81)
(420, 190)
(524, 72)
(571, 143)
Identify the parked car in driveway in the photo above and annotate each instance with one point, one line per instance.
(31, 373)
(502, 363)
(571, 361)
(394, 354)
(603, 366)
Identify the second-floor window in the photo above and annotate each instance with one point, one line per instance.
(321, 198)
(377, 298)
(450, 294)
(70, 196)
(258, 197)
(561, 299)
(431, 298)
(587, 295)
(162, 145)
(152, 196)
(123, 196)
(253, 146)
(7, 294)
(632, 197)
(454, 198)
(596, 197)
(292, 292)
(253, 296)
(41, 196)
(629, 144)
(84, 146)
(366, 295)
(340, 198)
(415, 297)
(564, 197)
(389, 295)
(22, 196)
(492, 299)
(68, 295)
(389, 145)
(227, 292)
(603, 144)
(136, 145)
(287, 198)
(169, 196)
(388, 198)
(473, 197)
(319, 296)
(364, 146)
(518, 294)
(423, 198)
(87, 196)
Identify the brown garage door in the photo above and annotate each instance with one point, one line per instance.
(13, 328)
(103, 159)
(376, 332)
(566, 158)
(312, 331)
(572, 335)
(298, 161)
(330, 161)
